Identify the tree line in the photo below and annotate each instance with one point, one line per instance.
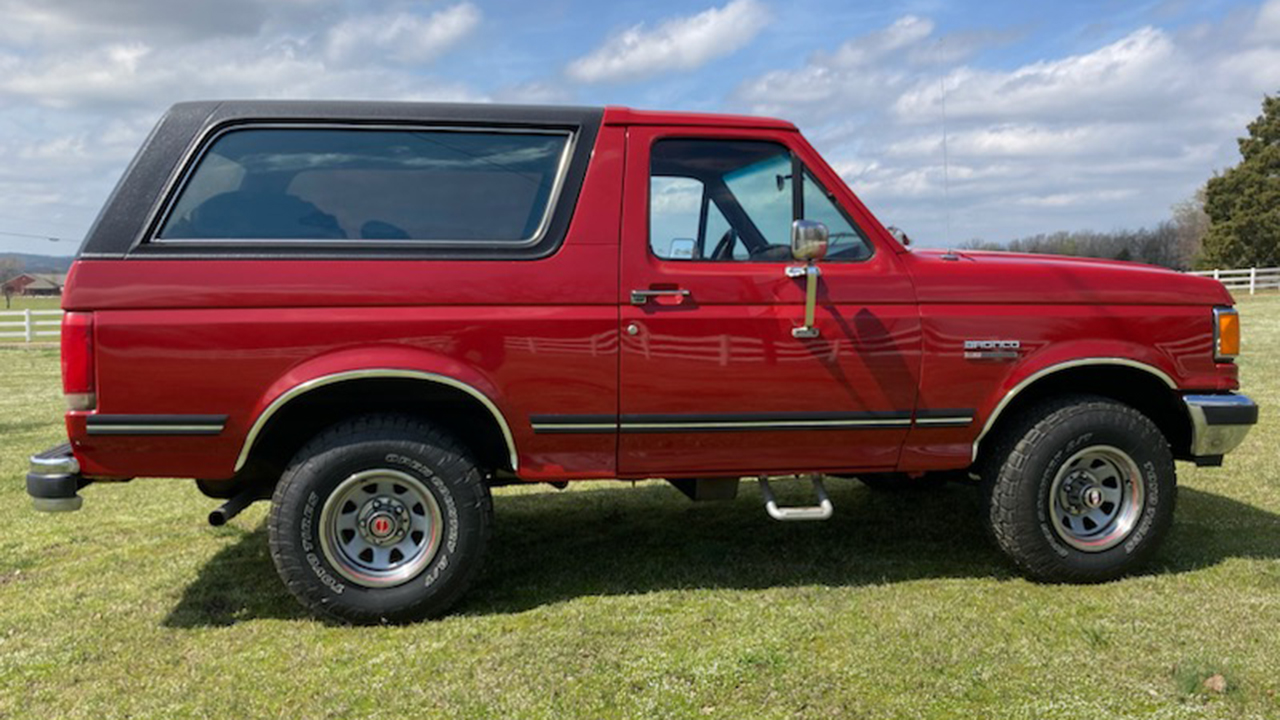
(1233, 221)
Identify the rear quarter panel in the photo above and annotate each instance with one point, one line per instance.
(225, 337)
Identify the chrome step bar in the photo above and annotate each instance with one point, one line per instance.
(822, 511)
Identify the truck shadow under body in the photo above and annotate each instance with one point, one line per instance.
(549, 548)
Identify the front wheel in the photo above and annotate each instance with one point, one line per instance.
(1081, 490)
(380, 519)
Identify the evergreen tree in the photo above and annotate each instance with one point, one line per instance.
(1243, 203)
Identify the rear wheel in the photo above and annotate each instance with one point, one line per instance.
(1081, 490)
(380, 519)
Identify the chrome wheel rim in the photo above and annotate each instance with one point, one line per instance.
(1096, 498)
(380, 527)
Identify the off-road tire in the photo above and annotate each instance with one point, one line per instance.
(1019, 477)
(379, 443)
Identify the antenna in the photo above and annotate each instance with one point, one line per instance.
(946, 161)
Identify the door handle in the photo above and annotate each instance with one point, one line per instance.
(674, 297)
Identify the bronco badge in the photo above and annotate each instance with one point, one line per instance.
(991, 349)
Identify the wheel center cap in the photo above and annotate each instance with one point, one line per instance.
(384, 521)
(1091, 498)
(382, 526)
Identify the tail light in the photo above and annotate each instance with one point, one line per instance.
(1226, 334)
(77, 361)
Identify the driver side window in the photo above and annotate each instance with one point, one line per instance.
(684, 224)
(733, 200)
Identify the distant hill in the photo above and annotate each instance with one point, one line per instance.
(40, 263)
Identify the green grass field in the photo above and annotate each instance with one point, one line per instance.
(22, 302)
(609, 600)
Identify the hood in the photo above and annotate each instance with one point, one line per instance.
(963, 276)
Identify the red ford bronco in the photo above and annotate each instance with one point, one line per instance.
(372, 313)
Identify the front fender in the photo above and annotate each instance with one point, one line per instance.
(1067, 356)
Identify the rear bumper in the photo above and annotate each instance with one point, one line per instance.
(54, 480)
(1219, 423)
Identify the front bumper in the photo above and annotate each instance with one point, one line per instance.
(1219, 423)
(54, 480)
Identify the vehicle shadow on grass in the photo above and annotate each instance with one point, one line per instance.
(238, 583)
(551, 547)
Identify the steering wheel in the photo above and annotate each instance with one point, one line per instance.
(724, 247)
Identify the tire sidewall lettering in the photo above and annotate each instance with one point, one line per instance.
(443, 493)
(1150, 507)
(441, 563)
(309, 528)
(1046, 483)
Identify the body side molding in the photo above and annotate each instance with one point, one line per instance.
(374, 373)
(746, 422)
(155, 424)
(1059, 367)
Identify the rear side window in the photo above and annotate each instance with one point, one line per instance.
(372, 185)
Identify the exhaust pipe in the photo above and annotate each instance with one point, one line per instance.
(234, 506)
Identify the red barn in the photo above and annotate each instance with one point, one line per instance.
(48, 284)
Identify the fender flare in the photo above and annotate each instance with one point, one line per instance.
(1044, 372)
(284, 398)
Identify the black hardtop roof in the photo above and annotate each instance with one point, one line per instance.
(129, 215)
(222, 111)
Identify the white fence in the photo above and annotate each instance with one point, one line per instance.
(1251, 279)
(30, 325)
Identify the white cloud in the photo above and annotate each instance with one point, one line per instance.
(56, 180)
(1111, 80)
(55, 149)
(905, 32)
(72, 23)
(681, 43)
(82, 81)
(1062, 200)
(864, 70)
(359, 57)
(1104, 138)
(1267, 27)
(401, 36)
(137, 75)
(1251, 68)
(537, 92)
(1017, 140)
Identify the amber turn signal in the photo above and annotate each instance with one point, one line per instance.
(1226, 334)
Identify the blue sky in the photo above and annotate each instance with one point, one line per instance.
(1059, 116)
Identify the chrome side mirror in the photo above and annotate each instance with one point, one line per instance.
(809, 240)
(899, 235)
